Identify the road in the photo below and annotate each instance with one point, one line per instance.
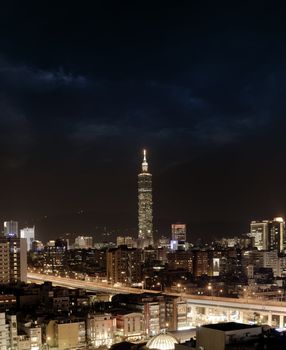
(201, 300)
(88, 285)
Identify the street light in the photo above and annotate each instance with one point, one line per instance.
(48, 342)
(160, 285)
(210, 291)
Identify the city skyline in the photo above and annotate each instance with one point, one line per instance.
(84, 88)
(142, 175)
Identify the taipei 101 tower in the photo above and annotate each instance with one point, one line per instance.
(145, 205)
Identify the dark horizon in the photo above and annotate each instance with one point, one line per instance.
(84, 87)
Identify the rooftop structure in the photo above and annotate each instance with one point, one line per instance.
(162, 341)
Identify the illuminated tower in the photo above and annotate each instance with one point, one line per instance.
(145, 215)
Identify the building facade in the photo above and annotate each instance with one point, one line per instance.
(83, 242)
(100, 330)
(29, 234)
(269, 234)
(11, 228)
(179, 232)
(124, 265)
(145, 205)
(13, 260)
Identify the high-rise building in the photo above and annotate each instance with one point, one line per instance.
(201, 263)
(179, 232)
(277, 236)
(269, 234)
(13, 260)
(56, 254)
(259, 231)
(4, 261)
(29, 234)
(124, 265)
(11, 228)
(145, 205)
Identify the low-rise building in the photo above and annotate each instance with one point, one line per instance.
(130, 326)
(64, 334)
(100, 330)
(220, 335)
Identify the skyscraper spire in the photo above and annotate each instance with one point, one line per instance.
(144, 163)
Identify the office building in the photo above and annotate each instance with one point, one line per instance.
(11, 228)
(56, 254)
(29, 234)
(125, 240)
(259, 231)
(145, 205)
(83, 242)
(277, 239)
(179, 232)
(269, 234)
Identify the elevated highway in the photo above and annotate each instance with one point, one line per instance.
(203, 308)
(88, 285)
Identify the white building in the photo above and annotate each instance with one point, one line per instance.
(11, 228)
(130, 326)
(4, 333)
(100, 330)
(29, 234)
(259, 231)
(8, 332)
(83, 242)
(13, 331)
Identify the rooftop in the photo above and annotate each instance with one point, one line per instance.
(229, 326)
(162, 341)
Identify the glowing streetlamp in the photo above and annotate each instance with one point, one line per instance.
(48, 341)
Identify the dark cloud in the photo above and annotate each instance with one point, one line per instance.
(83, 87)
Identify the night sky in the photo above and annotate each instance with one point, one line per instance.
(85, 85)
